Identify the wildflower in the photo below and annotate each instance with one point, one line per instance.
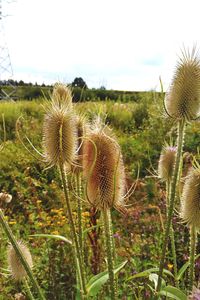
(103, 167)
(183, 99)
(170, 266)
(190, 202)
(195, 294)
(15, 265)
(166, 163)
(5, 197)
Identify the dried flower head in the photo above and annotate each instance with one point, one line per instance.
(166, 163)
(59, 136)
(62, 95)
(103, 167)
(15, 265)
(19, 296)
(5, 197)
(80, 128)
(190, 202)
(183, 99)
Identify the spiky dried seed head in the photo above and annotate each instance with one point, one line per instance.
(81, 126)
(166, 163)
(103, 169)
(62, 95)
(15, 265)
(182, 101)
(5, 197)
(190, 201)
(59, 136)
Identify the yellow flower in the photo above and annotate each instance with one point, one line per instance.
(12, 222)
(170, 266)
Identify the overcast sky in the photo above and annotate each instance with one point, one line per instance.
(120, 44)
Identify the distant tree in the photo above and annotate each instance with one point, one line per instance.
(21, 83)
(79, 82)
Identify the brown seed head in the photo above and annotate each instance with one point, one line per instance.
(59, 136)
(103, 169)
(15, 265)
(81, 126)
(5, 197)
(183, 99)
(62, 95)
(190, 202)
(166, 163)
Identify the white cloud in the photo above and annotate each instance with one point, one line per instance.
(128, 43)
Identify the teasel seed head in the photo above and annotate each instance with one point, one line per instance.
(190, 201)
(62, 95)
(15, 265)
(166, 162)
(182, 101)
(81, 126)
(59, 136)
(103, 169)
(5, 197)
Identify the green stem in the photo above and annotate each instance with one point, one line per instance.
(109, 249)
(180, 141)
(78, 257)
(19, 253)
(28, 291)
(172, 239)
(192, 256)
(79, 211)
(174, 255)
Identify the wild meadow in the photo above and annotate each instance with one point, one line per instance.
(100, 199)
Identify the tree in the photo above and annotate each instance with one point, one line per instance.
(79, 82)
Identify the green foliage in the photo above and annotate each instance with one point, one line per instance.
(37, 202)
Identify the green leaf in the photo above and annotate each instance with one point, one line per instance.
(147, 272)
(96, 282)
(173, 293)
(92, 227)
(154, 278)
(184, 268)
(53, 236)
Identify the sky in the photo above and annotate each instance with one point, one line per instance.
(118, 44)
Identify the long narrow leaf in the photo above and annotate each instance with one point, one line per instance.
(147, 272)
(184, 268)
(53, 236)
(173, 293)
(96, 282)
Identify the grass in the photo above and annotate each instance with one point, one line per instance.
(37, 196)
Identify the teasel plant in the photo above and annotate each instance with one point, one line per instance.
(165, 172)
(190, 213)
(16, 268)
(20, 260)
(77, 170)
(60, 151)
(105, 181)
(182, 105)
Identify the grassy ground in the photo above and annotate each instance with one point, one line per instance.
(37, 201)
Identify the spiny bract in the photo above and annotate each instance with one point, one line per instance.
(183, 99)
(190, 202)
(15, 265)
(103, 167)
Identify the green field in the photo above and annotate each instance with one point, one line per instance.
(37, 207)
